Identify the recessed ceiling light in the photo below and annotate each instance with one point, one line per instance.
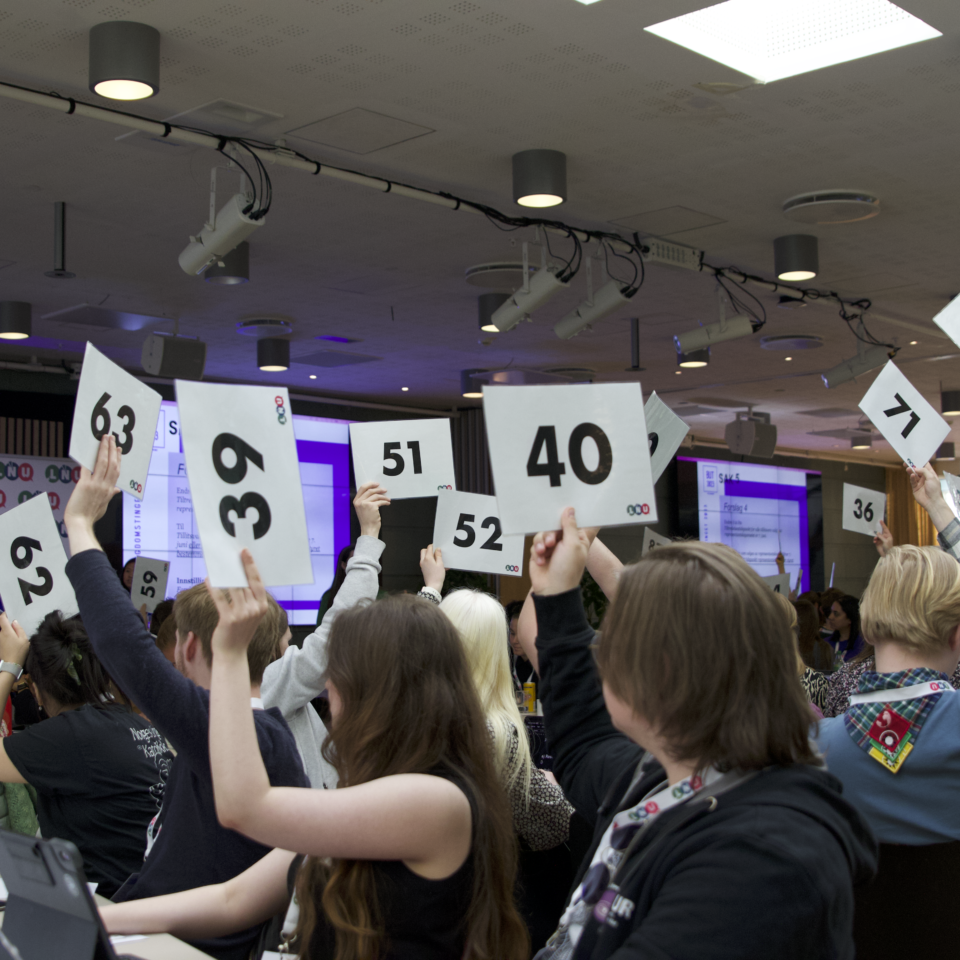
(772, 39)
(788, 358)
(404, 389)
(313, 376)
(913, 343)
(678, 372)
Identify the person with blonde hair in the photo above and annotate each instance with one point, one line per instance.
(897, 748)
(717, 833)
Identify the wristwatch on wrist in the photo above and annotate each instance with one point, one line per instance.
(14, 668)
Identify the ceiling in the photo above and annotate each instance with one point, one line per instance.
(456, 88)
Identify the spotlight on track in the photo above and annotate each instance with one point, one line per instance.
(706, 336)
(520, 304)
(857, 366)
(694, 359)
(231, 226)
(233, 269)
(124, 60)
(610, 297)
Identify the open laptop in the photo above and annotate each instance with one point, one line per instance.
(50, 914)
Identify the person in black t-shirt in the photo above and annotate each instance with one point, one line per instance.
(98, 768)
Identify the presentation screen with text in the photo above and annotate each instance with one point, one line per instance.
(163, 526)
(760, 511)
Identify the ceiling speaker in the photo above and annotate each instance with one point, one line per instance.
(179, 358)
(754, 437)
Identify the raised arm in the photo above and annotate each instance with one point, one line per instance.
(14, 644)
(589, 752)
(128, 651)
(925, 485)
(429, 822)
(301, 673)
(251, 897)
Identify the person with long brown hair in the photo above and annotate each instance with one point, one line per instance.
(717, 833)
(413, 856)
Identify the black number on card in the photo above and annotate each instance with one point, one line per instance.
(149, 576)
(463, 526)
(546, 442)
(546, 439)
(654, 441)
(493, 543)
(240, 507)
(243, 451)
(776, 588)
(148, 591)
(28, 545)
(862, 512)
(868, 512)
(389, 453)
(100, 423)
(903, 408)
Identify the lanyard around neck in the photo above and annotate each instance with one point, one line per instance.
(896, 694)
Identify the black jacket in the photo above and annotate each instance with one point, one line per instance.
(763, 871)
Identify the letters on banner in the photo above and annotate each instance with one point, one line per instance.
(778, 583)
(149, 582)
(33, 580)
(665, 433)
(899, 411)
(651, 541)
(410, 458)
(863, 509)
(468, 532)
(583, 446)
(244, 476)
(110, 400)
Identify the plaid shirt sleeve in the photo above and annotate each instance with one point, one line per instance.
(949, 539)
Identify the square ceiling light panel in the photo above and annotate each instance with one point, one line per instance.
(360, 131)
(772, 39)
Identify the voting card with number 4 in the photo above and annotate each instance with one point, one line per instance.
(244, 475)
(863, 509)
(467, 532)
(110, 400)
(580, 445)
(899, 411)
(149, 585)
(33, 579)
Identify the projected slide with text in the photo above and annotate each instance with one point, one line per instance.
(162, 525)
(758, 510)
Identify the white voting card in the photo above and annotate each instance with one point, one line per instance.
(665, 433)
(409, 458)
(149, 582)
(948, 320)
(653, 540)
(582, 445)
(110, 400)
(467, 530)
(778, 583)
(244, 478)
(33, 581)
(899, 411)
(862, 509)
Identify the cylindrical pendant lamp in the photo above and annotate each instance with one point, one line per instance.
(273, 354)
(539, 178)
(124, 60)
(487, 305)
(796, 257)
(15, 320)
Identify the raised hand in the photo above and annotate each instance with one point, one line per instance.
(240, 610)
(559, 557)
(367, 503)
(883, 541)
(14, 643)
(94, 491)
(431, 566)
(925, 485)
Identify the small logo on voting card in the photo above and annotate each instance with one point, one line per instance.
(281, 410)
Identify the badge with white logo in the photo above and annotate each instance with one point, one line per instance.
(665, 433)
(110, 400)
(467, 531)
(651, 541)
(899, 411)
(862, 509)
(778, 583)
(244, 478)
(149, 582)
(411, 458)
(582, 446)
(33, 581)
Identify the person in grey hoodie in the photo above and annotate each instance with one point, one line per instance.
(300, 675)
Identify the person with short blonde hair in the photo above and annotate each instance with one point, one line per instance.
(897, 748)
(717, 833)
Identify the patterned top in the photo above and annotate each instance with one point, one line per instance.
(815, 685)
(846, 682)
(949, 539)
(544, 823)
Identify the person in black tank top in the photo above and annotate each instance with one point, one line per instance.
(413, 855)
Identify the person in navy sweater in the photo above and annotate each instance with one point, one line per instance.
(186, 846)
